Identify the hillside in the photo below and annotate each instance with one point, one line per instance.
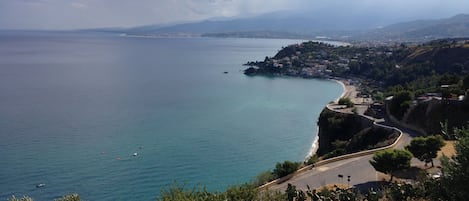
(358, 28)
(420, 30)
(408, 73)
(341, 133)
(446, 57)
(304, 25)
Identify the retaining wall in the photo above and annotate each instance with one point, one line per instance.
(366, 120)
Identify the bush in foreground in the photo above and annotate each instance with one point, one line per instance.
(70, 197)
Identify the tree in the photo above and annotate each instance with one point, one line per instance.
(434, 144)
(346, 101)
(426, 148)
(400, 102)
(291, 192)
(242, 192)
(465, 82)
(263, 178)
(285, 168)
(456, 171)
(389, 161)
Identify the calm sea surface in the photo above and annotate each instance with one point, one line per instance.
(75, 107)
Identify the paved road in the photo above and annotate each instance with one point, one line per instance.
(359, 169)
(361, 173)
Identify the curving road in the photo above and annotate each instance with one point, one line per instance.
(359, 170)
(361, 173)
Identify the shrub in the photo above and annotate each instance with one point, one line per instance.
(263, 178)
(336, 152)
(285, 168)
(24, 198)
(312, 160)
(346, 101)
(70, 197)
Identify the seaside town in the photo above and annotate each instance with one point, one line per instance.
(356, 65)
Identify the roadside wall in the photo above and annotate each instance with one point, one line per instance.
(365, 121)
(402, 124)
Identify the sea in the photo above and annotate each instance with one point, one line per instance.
(122, 118)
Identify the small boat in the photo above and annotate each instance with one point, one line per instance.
(40, 185)
(226, 72)
(135, 154)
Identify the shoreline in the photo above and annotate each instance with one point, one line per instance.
(347, 91)
(345, 87)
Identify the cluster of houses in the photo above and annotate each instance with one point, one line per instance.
(310, 64)
(317, 61)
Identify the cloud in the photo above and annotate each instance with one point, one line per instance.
(33, 2)
(68, 14)
(78, 5)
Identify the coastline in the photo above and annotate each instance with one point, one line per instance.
(347, 91)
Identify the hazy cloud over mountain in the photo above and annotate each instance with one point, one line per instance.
(73, 14)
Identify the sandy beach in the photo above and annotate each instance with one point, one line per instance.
(350, 91)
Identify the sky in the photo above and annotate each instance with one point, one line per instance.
(79, 14)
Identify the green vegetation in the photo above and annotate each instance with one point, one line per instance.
(291, 192)
(465, 82)
(425, 74)
(263, 178)
(456, 170)
(335, 126)
(312, 160)
(285, 168)
(400, 103)
(281, 170)
(249, 193)
(346, 101)
(341, 133)
(404, 72)
(390, 161)
(70, 197)
(245, 192)
(24, 198)
(426, 148)
(429, 115)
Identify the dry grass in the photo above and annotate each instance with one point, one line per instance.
(419, 52)
(448, 150)
(333, 187)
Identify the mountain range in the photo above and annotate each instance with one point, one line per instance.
(421, 30)
(336, 27)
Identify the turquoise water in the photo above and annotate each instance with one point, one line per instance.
(75, 107)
